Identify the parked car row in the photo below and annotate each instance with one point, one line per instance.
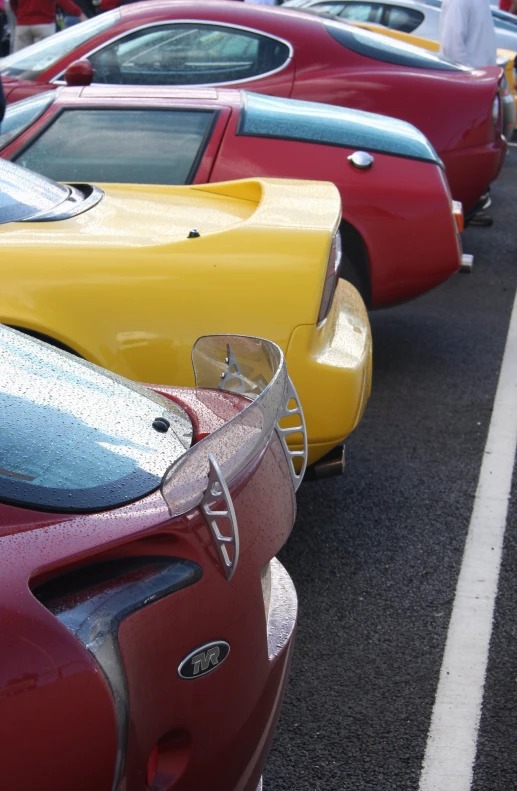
(207, 196)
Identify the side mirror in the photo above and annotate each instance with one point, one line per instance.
(80, 72)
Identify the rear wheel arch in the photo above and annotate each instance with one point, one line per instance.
(355, 265)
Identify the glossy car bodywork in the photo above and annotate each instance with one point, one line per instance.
(102, 608)
(132, 282)
(284, 53)
(505, 59)
(398, 206)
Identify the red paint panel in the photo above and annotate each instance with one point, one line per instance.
(400, 207)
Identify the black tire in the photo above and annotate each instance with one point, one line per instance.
(355, 265)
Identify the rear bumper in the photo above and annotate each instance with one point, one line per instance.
(281, 625)
(470, 171)
(219, 727)
(331, 367)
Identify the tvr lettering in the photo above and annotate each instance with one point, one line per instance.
(205, 659)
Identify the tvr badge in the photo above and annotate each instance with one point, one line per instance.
(203, 660)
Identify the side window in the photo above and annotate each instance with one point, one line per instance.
(328, 8)
(120, 146)
(362, 12)
(187, 54)
(404, 19)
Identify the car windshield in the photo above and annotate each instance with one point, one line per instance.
(77, 438)
(30, 62)
(20, 115)
(24, 194)
(379, 47)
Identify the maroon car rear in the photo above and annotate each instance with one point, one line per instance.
(147, 646)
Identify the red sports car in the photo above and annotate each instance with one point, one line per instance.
(400, 235)
(145, 626)
(284, 53)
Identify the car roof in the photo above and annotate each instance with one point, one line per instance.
(146, 7)
(408, 3)
(231, 95)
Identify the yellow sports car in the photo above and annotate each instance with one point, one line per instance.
(130, 276)
(505, 58)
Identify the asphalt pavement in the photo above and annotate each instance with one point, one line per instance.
(375, 555)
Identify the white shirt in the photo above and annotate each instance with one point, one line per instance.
(467, 32)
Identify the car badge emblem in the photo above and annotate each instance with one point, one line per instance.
(203, 660)
(226, 543)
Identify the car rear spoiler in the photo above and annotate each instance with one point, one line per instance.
(255, 369)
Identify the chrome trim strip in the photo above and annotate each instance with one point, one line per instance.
(216, 491)
(59, 79)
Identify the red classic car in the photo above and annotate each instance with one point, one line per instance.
(145, 626)
(284, 53)
(400, 236)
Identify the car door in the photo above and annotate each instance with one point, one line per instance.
(196, 53)
(167, 143)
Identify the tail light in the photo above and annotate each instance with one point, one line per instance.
(331, 278)
(91, 602)
(504, 88)
(497, 111)
(457, 210)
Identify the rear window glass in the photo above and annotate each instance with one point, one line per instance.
(378, 47)
(20, 115)
(30, 62)
(75, 438)
(404, 19)
(137, 146)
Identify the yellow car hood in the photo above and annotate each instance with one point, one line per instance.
(137, 216)
(123, 286)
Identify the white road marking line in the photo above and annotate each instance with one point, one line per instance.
(452, 740)
(513, 145)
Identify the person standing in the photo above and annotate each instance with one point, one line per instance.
(2, 100)
(467, 33)
(36, 19)
(11, 23)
